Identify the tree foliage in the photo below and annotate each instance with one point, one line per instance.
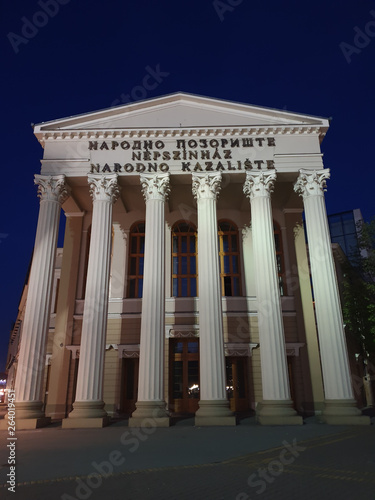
(359, 292)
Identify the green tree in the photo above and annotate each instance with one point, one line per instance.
(358, 293)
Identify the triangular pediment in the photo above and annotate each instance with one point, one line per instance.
(180, 110)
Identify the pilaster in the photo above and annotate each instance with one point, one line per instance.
(58, 380)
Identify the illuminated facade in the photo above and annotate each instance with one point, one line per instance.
(185, 286)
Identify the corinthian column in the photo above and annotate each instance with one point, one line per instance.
(340, 406)
(276, 407)
(52, 192)
(213, 404)
(151, 403)
(88, 408)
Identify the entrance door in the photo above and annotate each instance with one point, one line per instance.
(184, 375)
(237, 383)
(129, 390)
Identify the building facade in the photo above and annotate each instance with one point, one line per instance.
(344, 228)
(185, 283)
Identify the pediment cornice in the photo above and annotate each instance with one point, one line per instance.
(180, 132)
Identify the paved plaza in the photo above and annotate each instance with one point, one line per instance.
(183, 462)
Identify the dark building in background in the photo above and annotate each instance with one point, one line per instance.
(343, 227)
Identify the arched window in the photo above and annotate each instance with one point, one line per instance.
(229, 259)
(279, 257)
(184, 260)
(136, 260)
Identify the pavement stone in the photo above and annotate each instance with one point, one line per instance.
(312, 461)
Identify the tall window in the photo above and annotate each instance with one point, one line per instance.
(279, 257)
(229, 259)
(184, 260)
(136, 260)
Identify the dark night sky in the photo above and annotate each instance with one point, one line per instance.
(284, 55)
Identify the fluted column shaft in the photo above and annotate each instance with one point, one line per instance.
(52, 192)
(213, 400)
(212, 365)
(89, 391)
(151, 402)
(275, 383)
(333, 352)
(271, 332)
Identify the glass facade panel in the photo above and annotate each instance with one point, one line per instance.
(193, 287)
(193, 379)
(226, 264)
(192, 265)
(184, 287)
(175, 265)
(235, 263)
(193, 346)
(177, 379)
(234, 243)
(141, 262)
(175, 244)
(178, 346)
(183, 244)
(140, 287)
(184, 265)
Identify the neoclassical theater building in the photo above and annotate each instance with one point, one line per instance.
(185, 283)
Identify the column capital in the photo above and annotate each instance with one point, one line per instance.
(103, 187)
(311, 182)
(206, 186)
(52, 188)
(259, 184)
(155, 187)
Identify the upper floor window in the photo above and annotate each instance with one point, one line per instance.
(136, 260)
(279, 257)
(184, 260)
(229, 257)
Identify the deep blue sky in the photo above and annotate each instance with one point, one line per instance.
(283, 55)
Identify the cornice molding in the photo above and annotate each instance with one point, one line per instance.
(79, 134)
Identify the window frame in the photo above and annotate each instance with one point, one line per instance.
(179, 254)
(230, 253)
(134, 278)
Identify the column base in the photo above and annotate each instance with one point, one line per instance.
(29, 410)
(26, 423)
(277, 412)
(149, 414)
(214, 412)
(343, 412)
(88, 409)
